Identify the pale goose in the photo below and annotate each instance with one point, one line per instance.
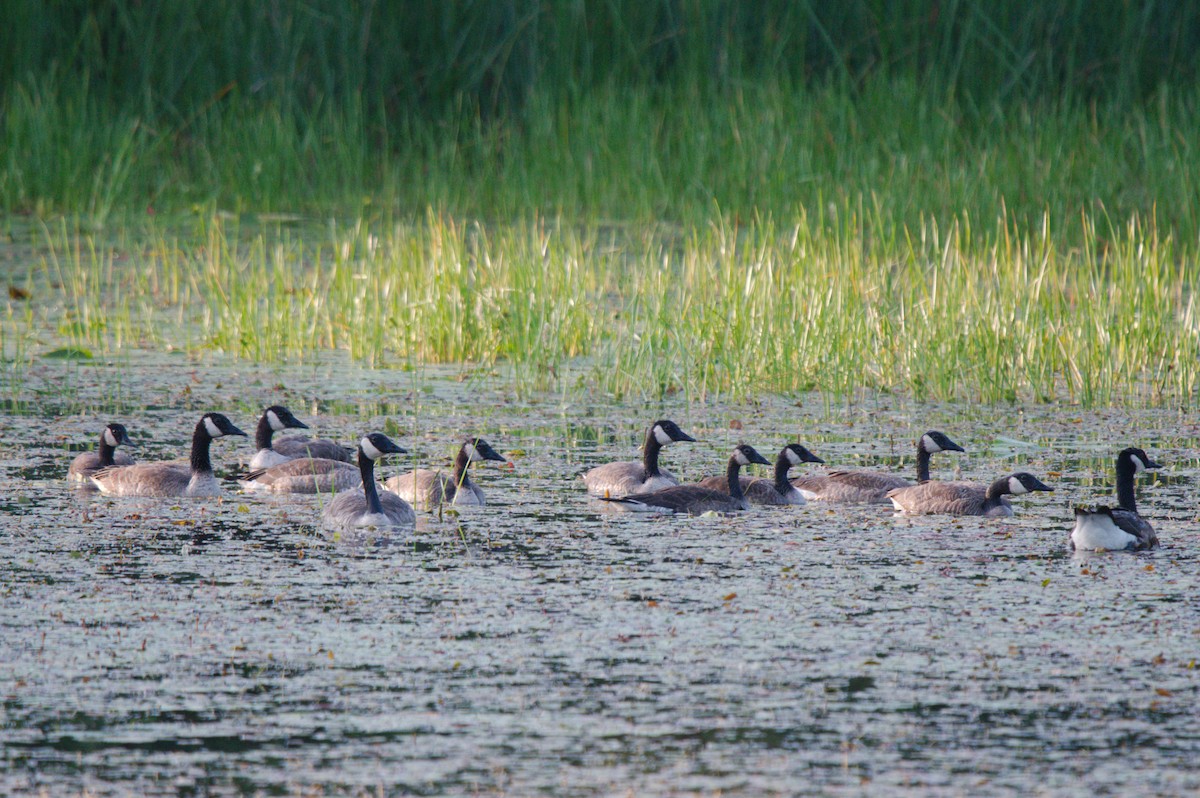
(365, 506)
(427, 488)
(272, 452)
(1117, 528)
(169, 478)
(88, 463)
(860, 487)
(965, 498)
(623, 478)
(758, 490)
(303, 475)
(695, 499)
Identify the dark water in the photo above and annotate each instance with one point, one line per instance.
(540, 646)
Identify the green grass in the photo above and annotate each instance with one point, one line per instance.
(942, 312)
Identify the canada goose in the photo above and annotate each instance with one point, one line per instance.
(624, 478)
(304, 475)
(88, 463)
(273, 452)
(765, 491)
(872, 486)
(965, 498)
(172, 479)
(694, 498)
(366, 506)
(431, 488)
(1116, 528)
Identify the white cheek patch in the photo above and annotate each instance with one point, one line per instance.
(369, 449)
(1138, 465)
(742, 458)
(213, 430)
(1016, 487)
(472, 453)
(792, 457)
(274, 421)
(929, 445)
(661, 435)
(109, 438)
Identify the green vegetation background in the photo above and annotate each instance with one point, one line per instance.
(642, 109)
(996, 201)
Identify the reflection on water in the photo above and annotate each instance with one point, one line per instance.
(540, 646)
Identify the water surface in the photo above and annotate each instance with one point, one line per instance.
(543, 646)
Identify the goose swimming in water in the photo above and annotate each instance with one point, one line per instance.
(279, 450)
(366, 506)
(965, 498)
(303, 475)
(427, 488)
(695, 499)
(872, 486)
(169, 478)
(1117, 528)
(106, 454)
(623, 478)
(758, 490)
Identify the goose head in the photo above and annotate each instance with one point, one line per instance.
(1136, 458)
(665, 432)
(280, 418)
(797, 454)
(934, 441)
(115, 435)
(217, 426)
(478, 449)
(376, 445)
(1023, 482)
(745, 454)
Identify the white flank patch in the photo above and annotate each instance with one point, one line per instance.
(213, 430)
(274, 421)
(928, 444)
(1095, 531)
(109, 438)
(369, 449)
(661, 435)
(1015, 487)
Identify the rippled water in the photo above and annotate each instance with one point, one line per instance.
(540, 645)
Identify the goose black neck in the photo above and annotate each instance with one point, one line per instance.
(106, 450)
(201, 440)
(460, 467)
(732, 474)
(995, 493)
(1125, 493)
(922, 464)
(650, 454)
(263, 433)
(782, 466)
(366, 467)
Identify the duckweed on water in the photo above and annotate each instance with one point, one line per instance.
(997, 314)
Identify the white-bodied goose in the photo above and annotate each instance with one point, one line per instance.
(365, 506)
(1117, 528)
(965, 498)
(758, 490)
(88, 463)
(623, 478)
(168, 478)
(279, 450)
(427, 488)
(861, 487)
(695, 499)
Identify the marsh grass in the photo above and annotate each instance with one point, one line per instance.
(998, 314)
